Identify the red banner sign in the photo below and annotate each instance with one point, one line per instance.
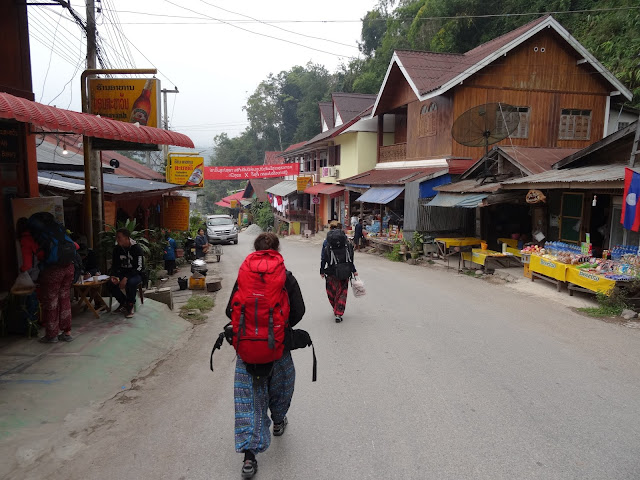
(247, 172)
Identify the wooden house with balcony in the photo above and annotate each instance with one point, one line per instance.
(562, 92)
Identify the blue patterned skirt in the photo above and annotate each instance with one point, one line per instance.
(252, 399)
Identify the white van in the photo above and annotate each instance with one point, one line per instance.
(221, 229)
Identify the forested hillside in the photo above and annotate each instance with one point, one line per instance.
(283, 109)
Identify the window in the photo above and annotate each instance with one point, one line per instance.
(575, 124)
(571, 217)
(334, 155)
(622, 125)
(428, 124)
(521, 131)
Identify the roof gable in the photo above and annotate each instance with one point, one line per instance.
(350, 105)
(431, 74)
(326, 114)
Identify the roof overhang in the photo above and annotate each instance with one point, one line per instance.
(58, 119)
(380, 195)
(458, 200)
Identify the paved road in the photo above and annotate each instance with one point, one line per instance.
(431, 376)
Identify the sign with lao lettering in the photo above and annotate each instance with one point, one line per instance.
(303, 183)
(132, 100)
(247, 172)
(9, 142)
(185, 170)
(176, 213)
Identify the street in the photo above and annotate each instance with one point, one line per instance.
(432, 375)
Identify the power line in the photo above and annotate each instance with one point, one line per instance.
(44, 82)
(401, 19)
(280, 28)
(262, 34)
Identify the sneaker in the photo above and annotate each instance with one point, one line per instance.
(121, 309)
(338, 318)
(65, 337)
(279, 428)
(129, 313)
(46, 339)
(249, 468)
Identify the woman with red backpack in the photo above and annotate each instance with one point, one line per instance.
(266, 302)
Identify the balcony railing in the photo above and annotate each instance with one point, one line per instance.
(393, 153)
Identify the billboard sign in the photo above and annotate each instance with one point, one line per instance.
(185, 170)
(128, 100)
(247, 172)
(176, 213)
(303, 183)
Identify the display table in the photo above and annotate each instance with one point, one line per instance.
(509, 241)
(383, 242)
(548, 270)
(445, 243)
(583, 281)
(490, 259)
(90, 291)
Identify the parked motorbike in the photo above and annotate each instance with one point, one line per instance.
(189, 249)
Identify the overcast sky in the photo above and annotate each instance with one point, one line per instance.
(215, 65)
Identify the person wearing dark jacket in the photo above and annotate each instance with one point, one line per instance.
(126, 271)
(252, 397)
(337, 289)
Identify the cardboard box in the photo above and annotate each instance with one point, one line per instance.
(196, 283)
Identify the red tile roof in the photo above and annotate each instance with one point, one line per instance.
(270, 158)
(392, 176)
(295, 146)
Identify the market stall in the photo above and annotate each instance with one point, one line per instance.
(490, 259)
(444, 244)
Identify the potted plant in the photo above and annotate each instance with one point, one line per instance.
(404, 245)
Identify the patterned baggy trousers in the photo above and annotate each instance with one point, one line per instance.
(337, 292)
(55, 298)
(252, 399)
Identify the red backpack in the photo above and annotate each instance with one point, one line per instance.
(260, 308)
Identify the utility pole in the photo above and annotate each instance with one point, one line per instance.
(93, 171)
(165, 148)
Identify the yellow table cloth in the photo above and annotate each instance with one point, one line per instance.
(588, 280)
(509, 241)
(479, 256)
(459, 242)
(549, 268)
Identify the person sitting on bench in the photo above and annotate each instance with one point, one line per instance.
(126, 271)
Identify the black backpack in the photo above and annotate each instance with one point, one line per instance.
(52, 238)
(339, 254)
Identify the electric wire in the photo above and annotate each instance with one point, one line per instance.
(279, 28)
(46, 75)
(264, 34)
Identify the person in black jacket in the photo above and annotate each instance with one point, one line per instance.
(126, 271)
(254, 396)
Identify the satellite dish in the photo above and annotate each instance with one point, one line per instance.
(114, 163)
(485, 125)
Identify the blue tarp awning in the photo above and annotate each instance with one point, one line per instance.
(382, 195)
(460, 200)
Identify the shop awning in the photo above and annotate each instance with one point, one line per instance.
(382, 195)
(334, 191)
(317, 189)
(284, 188)
(58, 119)
(469, 200)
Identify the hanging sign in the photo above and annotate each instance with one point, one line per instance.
(315, 200)
(247, 172)
(187, 171)
(535, 196)
(303, 183)
(176, 213)
(132, 100)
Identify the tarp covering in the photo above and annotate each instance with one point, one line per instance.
(284, 188)
(469, 200)
(381, 195)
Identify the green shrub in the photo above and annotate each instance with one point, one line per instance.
(395, 255)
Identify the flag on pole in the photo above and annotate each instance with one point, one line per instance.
(630, 218)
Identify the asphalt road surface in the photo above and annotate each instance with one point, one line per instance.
(432, 375)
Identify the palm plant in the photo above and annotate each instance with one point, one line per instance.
(108, 238)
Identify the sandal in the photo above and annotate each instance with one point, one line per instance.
(249, 468)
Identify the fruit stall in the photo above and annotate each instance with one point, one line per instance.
(575, 267)
(490, 259)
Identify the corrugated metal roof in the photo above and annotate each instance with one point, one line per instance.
(284, 188)
(469, 186)
(381, 195)
(391, 176)
(326, 110)
(114, 184)
(351, 105)
(464, 200)
(596, 173)
(537, 160)
(50, 182)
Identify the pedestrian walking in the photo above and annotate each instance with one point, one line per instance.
(44, 243)
(202, 244)
(266, 302)
(336, 267)
(127, 269)
(358, 236)
(169, 254)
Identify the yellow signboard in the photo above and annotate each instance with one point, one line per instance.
(548, 267)
(304, 182)
(176, 213)
(233, 203)
(132, 100)
(588, 280)
(185, 170)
